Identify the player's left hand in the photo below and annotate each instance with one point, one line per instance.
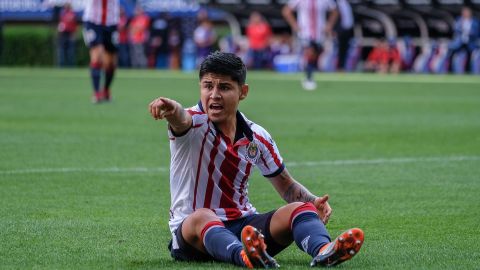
(324, 209)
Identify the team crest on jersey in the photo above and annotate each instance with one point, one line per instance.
(252, 151)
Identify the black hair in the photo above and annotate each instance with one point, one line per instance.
(224, 64)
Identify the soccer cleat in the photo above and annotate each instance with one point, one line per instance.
(309, 85)
(341, 249)
(254, 253)
(97, 97)
(106, 94)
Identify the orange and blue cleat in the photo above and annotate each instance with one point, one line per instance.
(254, 253)
(343, 248)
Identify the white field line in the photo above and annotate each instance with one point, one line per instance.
(90, 170)
(347, 162)
(383, 161)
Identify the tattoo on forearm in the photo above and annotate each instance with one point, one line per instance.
(297, 193)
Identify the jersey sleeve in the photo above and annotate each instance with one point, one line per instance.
(199, 120)
(270, 162)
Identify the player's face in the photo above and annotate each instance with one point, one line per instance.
(220, 96)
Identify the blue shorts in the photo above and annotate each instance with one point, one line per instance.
(186, 252)
(95, 34)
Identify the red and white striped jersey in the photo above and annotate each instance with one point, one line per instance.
(207, 170)
(102, 12)
(312, 17)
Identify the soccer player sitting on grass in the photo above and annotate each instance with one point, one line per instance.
(213, 150)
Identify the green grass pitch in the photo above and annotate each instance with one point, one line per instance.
(85, 186)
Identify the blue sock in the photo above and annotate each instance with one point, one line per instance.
(95, 73)
(223, 245)
(309, 232)
(109, 73)
(309, 70)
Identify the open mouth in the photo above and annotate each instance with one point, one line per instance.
(215, 107)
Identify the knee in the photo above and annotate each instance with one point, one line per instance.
(196, 224)
(294, 205)
(281, 223)
(199, 218)
(299, 208)
(109, 67)
(202, 214)
(96, 63)
(285, 214)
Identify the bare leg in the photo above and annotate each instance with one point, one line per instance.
(109, 66)
(96, 53)
(193, 225)
(280, 224)
(109, 60)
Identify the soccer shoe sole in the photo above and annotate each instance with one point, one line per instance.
(343, 248)
(256, 249)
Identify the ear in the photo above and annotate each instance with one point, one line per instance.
(243, 91)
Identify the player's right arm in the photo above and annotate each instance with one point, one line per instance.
(178, 119)
(293, 191)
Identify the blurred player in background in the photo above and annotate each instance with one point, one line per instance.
(67, 30)
(214, 148)
(312, 27)
(101, 18)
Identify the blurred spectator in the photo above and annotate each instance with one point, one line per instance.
(406, 49)
(204, 36)
(189, 49)
(188, 24)
(281, 45)
(123, 43)
(236, 45)
(138, 32)
(175, 44)
(67, 28)
(438, 62)
(100, 29)
(259, 33)
(465, 36)
(312, 27)
(384, 58)
(283, 57)
(1, 38)
(344, 30)
(158, 44)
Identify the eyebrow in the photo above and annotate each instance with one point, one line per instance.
(220, 84)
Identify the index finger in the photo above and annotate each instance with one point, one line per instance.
(155, 106)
